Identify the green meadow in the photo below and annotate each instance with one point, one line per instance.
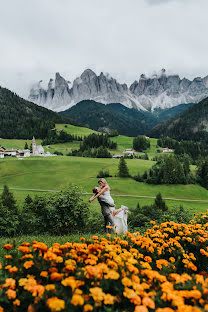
(57, 173)
(37, 175)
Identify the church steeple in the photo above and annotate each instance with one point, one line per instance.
(34, 146)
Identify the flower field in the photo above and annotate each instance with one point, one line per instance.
(163, 270)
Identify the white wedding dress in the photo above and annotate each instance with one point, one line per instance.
(120, 219)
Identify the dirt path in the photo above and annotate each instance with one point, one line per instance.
(116, 195)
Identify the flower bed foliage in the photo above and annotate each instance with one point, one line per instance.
(163, 270)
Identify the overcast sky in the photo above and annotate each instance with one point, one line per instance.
(122, 37)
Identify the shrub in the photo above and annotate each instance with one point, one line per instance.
(103, 174)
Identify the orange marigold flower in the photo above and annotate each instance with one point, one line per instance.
(1, 309)
(24, 249)
(11, 294)
(25, 244)
(28, 264)
(109, 299)
(9, 283)
(136, 300)
(95, 237)
(141, 308)
(126, 281)
(8, 246)
(77, 300)
(55, 304)
(152, 222)
(172, 259)
(148, 259)
(30, 308)
(44, 274)
(55, 276)
(8, 256)
(88, 307)
(164, 310)
(148, 302)
(13, 269)
(50, 287)
(108, 235)
(16, 302)
(82, 238)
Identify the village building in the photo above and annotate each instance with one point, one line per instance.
(130, 151)
(2, 149)
(10, 152)
(1, 154)
(23, 153)
(37, 150)
(167, 150)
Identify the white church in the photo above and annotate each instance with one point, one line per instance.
(38, 150)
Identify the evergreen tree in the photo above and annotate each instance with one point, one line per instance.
(123, 170)
(28, 199)
(160, 203)
(140, 143)
(26, 146)
(186, 165)
(202, 172)
(8, 200)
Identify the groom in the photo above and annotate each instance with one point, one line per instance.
(105, 209)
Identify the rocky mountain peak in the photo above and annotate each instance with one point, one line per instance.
(158, 91)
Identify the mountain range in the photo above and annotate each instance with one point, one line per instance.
(192, 124)
(159, 91)
(115, 116)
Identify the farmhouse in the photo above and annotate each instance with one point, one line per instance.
(130, 151)
(23, 153)
(167, 150)
(10, 152)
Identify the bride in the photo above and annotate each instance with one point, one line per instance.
(119, 216)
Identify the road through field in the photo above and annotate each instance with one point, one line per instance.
(117, 195)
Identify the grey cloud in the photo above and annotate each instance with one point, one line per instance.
(122, 37)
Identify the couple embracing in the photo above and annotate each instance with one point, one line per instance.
(117, 218)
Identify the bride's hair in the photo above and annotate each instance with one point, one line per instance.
(103, 181)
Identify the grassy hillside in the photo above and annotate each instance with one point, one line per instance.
(21, 119)
(59, 172)
(192, 124)
(74, 130)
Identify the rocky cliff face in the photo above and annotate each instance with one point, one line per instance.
(159, 91)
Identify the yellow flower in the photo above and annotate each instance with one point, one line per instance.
(77, 300)
(55, 304)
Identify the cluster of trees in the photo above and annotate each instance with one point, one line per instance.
(140, 143)
(168, 170)
(194, 149)
(21, 119)
(60, 213)
(53, 137)
(141, 216)
(95, 145)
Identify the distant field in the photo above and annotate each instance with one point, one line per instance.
(81, 131)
